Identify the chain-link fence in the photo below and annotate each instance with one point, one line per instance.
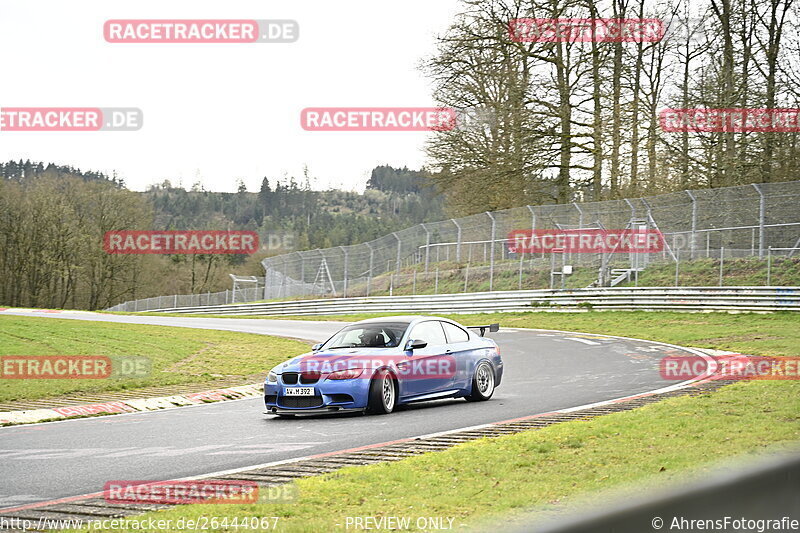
(706, 232)
(474, 253)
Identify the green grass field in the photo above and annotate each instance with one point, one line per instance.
(491, 481)
(178, 355)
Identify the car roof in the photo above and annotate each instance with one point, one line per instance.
(403, 319)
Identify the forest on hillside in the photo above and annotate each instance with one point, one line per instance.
(53, 218)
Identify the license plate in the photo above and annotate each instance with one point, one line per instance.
(298, 391)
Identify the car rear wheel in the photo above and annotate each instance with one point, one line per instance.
(382, 393)
(482, 383)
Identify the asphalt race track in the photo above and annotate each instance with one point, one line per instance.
(544, 371)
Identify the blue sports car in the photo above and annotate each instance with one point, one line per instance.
(376, 364)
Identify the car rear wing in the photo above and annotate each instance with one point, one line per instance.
(490, 327)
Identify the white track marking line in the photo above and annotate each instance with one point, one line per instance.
(584, 341)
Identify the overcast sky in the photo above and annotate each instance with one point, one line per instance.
(218, 112)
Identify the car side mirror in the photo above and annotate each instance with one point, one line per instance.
(415, 344)
(316, 347)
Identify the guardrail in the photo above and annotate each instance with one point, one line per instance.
(748, 299)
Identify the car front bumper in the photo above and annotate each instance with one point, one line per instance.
(330, 396)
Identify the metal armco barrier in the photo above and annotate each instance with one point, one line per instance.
(748, 299)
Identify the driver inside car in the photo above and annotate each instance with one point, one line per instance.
(372, 339)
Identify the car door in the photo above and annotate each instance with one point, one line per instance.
(426, 370)
(460, 348)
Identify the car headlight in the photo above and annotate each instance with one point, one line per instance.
(272, 377)
(350, 373)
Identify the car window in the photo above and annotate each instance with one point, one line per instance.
(430, 332)
(454, 333)
(375, 335)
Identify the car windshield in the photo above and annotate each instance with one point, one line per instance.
(373, 335)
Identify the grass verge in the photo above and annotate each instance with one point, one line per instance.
(490, 481)
(178, 355)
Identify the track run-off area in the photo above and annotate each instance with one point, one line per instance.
(545, 371)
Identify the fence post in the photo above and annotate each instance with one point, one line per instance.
(436, 283)
(721, 263)
(391, 284)
(176, 301)
(344, 274)
(371, 258)
(692, 242)
(677, 264)
(520, 269)
(466, 277)
(769, 266)
(458, 240)
(533, 225)
(399, 242)
(414, 286)
(427, 245)
(491, 252)
(761, 216)
(302, 269)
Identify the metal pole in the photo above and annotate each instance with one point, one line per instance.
(721, 263)
(491, 252)
(302, 270)
(533, 225)
(391, 284)
(371, 258)
(580, 215)
(692, 244)
(769, 266)
(458, 240)
(267, 279)
(283, 278)
(344, 289)
(398, 250)
(762, 210)
(436, 283)
(427, 245)
(520, 269)
(466, 277)
(414, 286)
(677, 264)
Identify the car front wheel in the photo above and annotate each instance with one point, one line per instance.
(382, 393)
(482, 383)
